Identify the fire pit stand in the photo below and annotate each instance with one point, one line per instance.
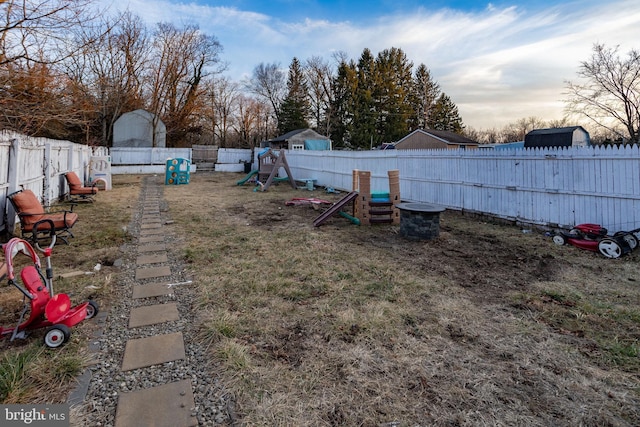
(419, 221)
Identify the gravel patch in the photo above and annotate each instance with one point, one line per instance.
(213, 406)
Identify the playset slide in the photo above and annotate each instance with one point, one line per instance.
(335, 208)
(248, 177)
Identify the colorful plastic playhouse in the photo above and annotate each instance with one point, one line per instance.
(177, 171)
(376, 207)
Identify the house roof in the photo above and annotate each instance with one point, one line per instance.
(443, 135)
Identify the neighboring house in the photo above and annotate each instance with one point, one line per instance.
(573, 136)
(433, 139)
(135, 129)
(300, 139)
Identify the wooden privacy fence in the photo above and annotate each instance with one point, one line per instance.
(557, 187)
(39, 164)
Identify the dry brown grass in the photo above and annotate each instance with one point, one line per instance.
(31, 373)
(347, 325)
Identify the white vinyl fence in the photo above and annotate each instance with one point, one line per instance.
(39, 164)
(551, 187)
(554, 187)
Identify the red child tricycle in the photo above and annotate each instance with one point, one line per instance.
(44, 308)
(594, 237)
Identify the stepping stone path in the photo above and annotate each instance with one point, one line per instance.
(170, 404)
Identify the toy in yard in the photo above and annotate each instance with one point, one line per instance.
(269, 166)
(368, 207)
(336, 208)
(45, 309)
(593, 237)
(297, 201)
(248, 177)
(376, 208)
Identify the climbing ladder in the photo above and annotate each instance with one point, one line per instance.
(376, 208)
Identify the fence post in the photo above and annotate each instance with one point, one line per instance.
(46, 185)
(14, 179)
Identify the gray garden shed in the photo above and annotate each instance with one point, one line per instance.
(300, 139)
(572, 136)
(136, 129)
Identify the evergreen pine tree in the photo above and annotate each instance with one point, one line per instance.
(424, 95)
(445, 116)
(344, 87)
(392, 95)
(294, 109)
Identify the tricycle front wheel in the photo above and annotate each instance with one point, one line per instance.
(92, 309)
(57, 335)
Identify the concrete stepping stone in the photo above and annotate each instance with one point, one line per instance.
(143, 352)
(167, 405)
(151, 259)
(152, 232)
(151, 225)
(152, 272)
(153, 314)
(151, 239)
(151, 290)
(157, 247)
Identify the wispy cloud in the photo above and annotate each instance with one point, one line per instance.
(498, 64)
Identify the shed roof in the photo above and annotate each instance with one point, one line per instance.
(287, 136)
(553, 131)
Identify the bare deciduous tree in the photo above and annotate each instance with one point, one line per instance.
(184, 57)
(31, 27)
(320, 78)
(35, 36)
(269, 83)
(110, 70)
(609, 94)
(252, 116)
(222, 95)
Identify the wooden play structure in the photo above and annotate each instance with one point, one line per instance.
(368, 207)
(269, 163)
(375, 207)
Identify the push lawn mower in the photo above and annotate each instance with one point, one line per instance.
(45, 309)
(594, 237)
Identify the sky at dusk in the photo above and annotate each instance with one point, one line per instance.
(498, 61)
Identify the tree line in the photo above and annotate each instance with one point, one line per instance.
(69, 73)
(359, 104)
